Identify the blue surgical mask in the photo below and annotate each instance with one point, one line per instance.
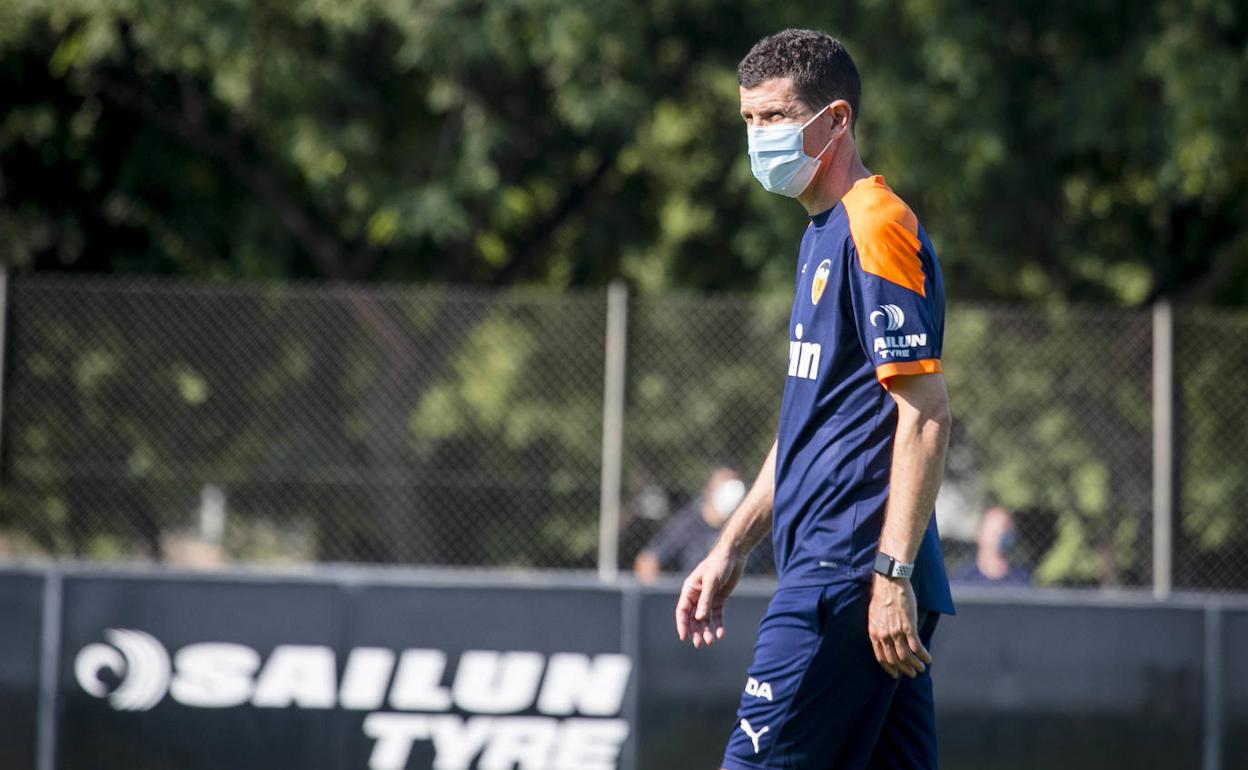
(778, 159)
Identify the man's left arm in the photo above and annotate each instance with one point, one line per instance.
(918, 463)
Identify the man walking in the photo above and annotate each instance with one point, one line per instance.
(839, 679)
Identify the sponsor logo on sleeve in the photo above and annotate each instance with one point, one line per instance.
(891, 316)
(893, 346)
(900, 346)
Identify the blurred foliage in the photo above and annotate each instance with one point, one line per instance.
(1064, 439)
(1056, 152)
(438, 426)
(1212, 457)
(1077, 151)
(422, 425)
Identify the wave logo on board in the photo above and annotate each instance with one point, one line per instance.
(141, 662)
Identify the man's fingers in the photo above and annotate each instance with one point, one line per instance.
(703, 614)
(695, 632)
(700, 609)
(916, 646)
(712, 624)
(905, 661)
(882, 657)
(717, 617)
(704, 600)
(896, 657)
(890, 655)
(690, 594)
(908, 662)
(683, 607)
(700, 634)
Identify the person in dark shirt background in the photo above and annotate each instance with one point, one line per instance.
(687, 536)
(993, 544)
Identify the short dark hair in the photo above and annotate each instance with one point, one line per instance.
(818, 64)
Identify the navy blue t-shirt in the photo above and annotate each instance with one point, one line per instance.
(869, 307)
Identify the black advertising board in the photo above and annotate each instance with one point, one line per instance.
(1026, 684)
(194, 673)
(509, 676)
(21, 604)
(368, 670)
(1234, 684)
(123, 640)
(1020, 684)
(689, 696)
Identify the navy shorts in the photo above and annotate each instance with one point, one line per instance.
(816, 699)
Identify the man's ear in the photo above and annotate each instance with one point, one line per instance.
(842, 116)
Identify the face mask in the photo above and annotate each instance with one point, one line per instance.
(727, 497)
(1008, 540)
(778, 160)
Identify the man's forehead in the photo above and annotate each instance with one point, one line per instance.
(774, 91)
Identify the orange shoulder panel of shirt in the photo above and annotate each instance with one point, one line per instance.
(885, 372)
(885, 233)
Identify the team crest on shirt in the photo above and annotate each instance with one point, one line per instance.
(820, 281)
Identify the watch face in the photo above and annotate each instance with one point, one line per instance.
(884, 564)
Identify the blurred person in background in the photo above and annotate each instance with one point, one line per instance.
(691, 531)
(645, 511)
(994, 541)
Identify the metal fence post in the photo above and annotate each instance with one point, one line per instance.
(1212, 718)
(47, 720)
(1163, 448)
(612, 432)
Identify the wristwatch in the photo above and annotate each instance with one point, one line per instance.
(890, 567)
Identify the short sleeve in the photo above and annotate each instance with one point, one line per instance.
(896, 308)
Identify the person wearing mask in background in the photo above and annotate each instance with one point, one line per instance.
(690, 532)
(993, 543)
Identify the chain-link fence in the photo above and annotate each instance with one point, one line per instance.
(201, 424)
(1053, 423)
(1211, 358)
(170, 421)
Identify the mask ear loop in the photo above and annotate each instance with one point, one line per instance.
(802, 130)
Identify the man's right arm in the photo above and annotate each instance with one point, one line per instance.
(700, 609)
(751, 522)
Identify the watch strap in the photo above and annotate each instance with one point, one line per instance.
(889, 567)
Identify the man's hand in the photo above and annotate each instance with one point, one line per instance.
(700, 610)
(892, 624)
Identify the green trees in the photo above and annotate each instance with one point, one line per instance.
(1055, 153)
